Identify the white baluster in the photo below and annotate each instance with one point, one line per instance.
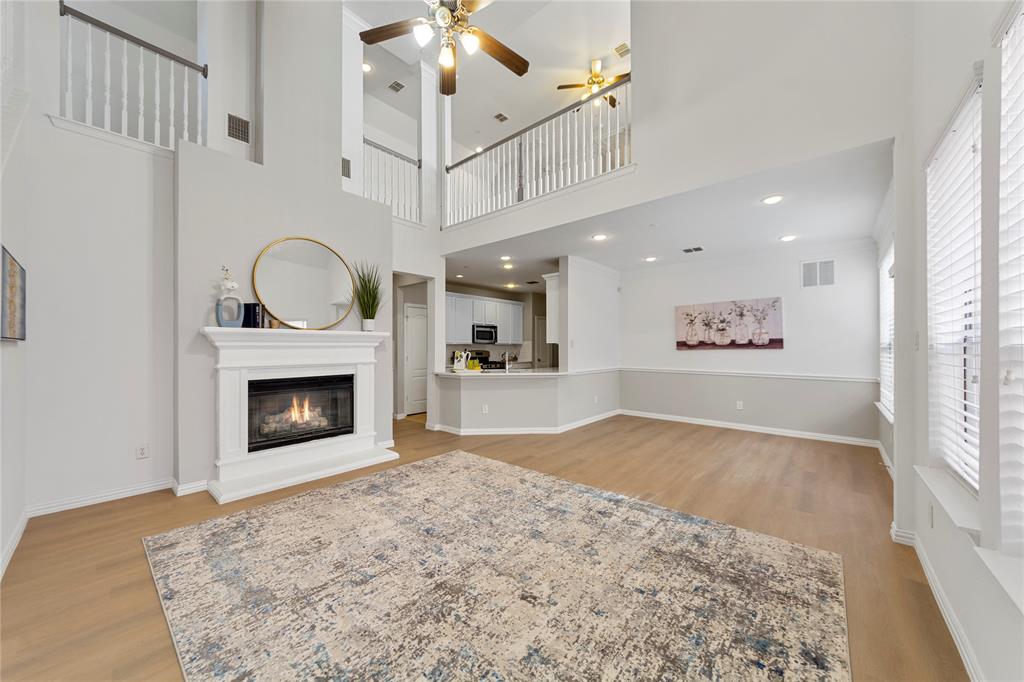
(124, 87)
(106, 82)
(629, 122)
(157, 130)
(88, 74)
(171, 97)
(142, 97)
(201, 124)
(69, 103)
(618, 124)
(184, 107)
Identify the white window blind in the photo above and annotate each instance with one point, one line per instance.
(954, 294)
(886, 331)
(1011, 293)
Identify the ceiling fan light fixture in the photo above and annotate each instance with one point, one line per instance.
(469, 41)
(423, 33)
(446, 57)
(594, 87)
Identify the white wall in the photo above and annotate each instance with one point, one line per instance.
(794, 81)
(229, 42)
(390, 127)
(594, 315)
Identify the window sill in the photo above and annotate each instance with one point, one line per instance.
(1007, 570)
(955, 500)
(884, 411)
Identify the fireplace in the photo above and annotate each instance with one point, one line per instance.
(297, 410)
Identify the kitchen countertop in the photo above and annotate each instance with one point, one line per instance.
(501, 374)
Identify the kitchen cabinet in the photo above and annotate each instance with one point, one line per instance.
(462, 312)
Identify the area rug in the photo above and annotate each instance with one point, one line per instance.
(462, 567)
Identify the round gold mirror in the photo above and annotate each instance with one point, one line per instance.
(303, 283)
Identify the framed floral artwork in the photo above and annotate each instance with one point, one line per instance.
(753, 324)
(12, 327)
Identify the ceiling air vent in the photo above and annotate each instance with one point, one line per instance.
(622, 49)
(818, 273)
(396, 86)
(532, 281)
(694, 249)
(500, 117)
(238, 128)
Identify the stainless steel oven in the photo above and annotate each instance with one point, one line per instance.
(485, 333)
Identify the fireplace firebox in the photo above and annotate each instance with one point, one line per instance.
(297, 410)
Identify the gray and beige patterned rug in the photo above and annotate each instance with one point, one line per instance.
(461, 567)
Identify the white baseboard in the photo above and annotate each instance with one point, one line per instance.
(189, 488)
(956, 629)
(902, 537)
(12, 543)
(847, 440)
(400, 415)
(886, 460)
(386, 444)
(522, 430)
(107, 496)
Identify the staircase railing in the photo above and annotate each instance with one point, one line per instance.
(126, 85)
(393, 179)
(575, 144)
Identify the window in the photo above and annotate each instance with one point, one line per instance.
(954, 293)
(886, 331)
(1011, 293)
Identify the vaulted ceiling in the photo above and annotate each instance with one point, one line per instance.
(558, 38)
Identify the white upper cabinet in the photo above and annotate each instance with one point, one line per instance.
(552, 290)
(462, 312)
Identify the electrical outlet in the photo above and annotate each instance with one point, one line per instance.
(483, 409)
(142, 452)
(739, 404)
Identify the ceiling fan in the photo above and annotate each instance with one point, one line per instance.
(596, 83)
(451, 18)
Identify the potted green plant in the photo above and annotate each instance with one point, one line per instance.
(369, 293)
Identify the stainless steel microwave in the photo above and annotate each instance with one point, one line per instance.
(485, 333)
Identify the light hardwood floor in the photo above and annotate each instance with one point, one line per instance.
(78, 603)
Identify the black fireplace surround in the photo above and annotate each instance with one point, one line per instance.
(297, 410)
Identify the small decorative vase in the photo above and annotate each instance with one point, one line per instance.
(368, 325)
(761, 337)
(692, 337)
(222, 311)
(722, 337)
(742, 334)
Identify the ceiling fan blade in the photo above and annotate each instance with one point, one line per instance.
(616, 79)
(508, 58)
(612, 102)
(475, 5)
(570, 86)
(372, 36)
(448, 77)
(595, 67)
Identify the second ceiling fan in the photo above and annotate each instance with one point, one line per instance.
(451, 18)
(596, 83)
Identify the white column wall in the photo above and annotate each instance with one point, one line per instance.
(352, 100)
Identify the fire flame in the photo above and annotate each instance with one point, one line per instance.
(300, 415)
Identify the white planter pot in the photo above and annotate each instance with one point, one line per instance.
(368, 325)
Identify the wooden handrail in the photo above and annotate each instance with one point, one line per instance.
(387, 150)
(102, 25)
(575, 105)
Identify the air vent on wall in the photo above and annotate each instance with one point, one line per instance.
(622, 49)
(238, 128)
(346, 168)
(396, 86)
(501, 117)
(532, 281)
(694, 249)
(818, 273)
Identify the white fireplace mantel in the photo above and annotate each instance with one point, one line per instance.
(254, 354)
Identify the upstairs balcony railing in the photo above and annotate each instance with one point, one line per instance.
(393, 179)
(580, 142)
(125, 85)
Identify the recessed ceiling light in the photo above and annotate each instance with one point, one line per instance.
(459, 276)
(508, 266)
(771, 200)
(787, 237)
(505, 258)
(511, 285)
(651, 259)
(367, 67)
(599, 237)
(479, 149)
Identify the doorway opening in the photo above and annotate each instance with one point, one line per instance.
(411, 347)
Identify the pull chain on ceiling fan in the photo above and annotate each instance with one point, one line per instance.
(451, 18)
(596, 83)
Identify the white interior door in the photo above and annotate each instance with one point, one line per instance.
(415, 355)
(541, 348)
